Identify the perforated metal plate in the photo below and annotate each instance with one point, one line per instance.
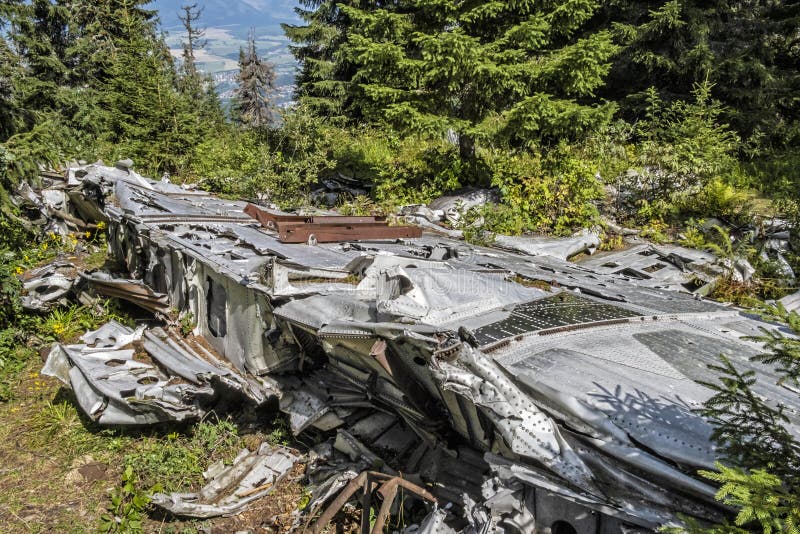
(564, 309)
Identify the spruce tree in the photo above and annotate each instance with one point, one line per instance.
(200, 106)
(8, 105)
(321, 82)
(40, 36)
(746, 49)
(252, 101)
(99, 28)
(490, 72)
(191, 78)
(139, 94)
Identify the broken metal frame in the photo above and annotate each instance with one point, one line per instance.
(313, 229)
(369, 482)
(576, 391)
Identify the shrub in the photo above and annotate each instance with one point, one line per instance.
(554, 193)
(419, 170)
(684, 144)
(276, 164)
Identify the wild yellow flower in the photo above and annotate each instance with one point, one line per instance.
(19, 270)
(101, 225)
(88, 234)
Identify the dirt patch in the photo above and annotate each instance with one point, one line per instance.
(35, 494)
(274, 513)
(57, 469)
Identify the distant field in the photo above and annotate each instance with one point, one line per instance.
(227, 26)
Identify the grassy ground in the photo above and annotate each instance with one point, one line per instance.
(56, 474)
(58, 471)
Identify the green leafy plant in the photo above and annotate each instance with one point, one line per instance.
(128, 504)
(715, 198)
(67, 324)
(693, 235)
(280, 433)
(177, 461)
(553, 193)
(187, 323)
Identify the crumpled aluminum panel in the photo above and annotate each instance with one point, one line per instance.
(585, 395)
(230, 489)
(641, 377)
(562, 310)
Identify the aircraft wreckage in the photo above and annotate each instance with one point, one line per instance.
(506, 389)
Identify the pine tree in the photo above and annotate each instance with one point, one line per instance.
(252, 100)
(321, 83)
(746, 49)
(191, 78)
(490, 72)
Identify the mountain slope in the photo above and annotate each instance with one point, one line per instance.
(227, 24)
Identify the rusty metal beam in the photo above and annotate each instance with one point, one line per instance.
(314, 229)
(271, 219)
(331, 233)
(369, 481)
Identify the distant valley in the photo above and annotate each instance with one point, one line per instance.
(227, 24)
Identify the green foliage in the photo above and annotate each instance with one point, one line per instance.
(274, 164)
(127, 507)
(480, 224)
(13, 358)
(418, 170)
(280, 434)
(252, 104)
(743, 48)
(724, 246)
(777, 174)
(752, 433)
(552, 193)
(684, 144)
(10, 288)
(759, 496)
(66, 325)
(781, 350)
(693, 235)
(187, 323)
(715, 198)
(763, 484)
(501, 72)
(177, 461)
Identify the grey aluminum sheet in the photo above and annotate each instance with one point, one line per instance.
(641, 377)
(592, 381)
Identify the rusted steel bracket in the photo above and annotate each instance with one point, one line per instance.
(270, 219)
(370, 480)
(313, 233)
(313, 229)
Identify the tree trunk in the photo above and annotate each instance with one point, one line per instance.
(466, 146)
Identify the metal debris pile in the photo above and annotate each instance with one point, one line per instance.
(502, 388)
